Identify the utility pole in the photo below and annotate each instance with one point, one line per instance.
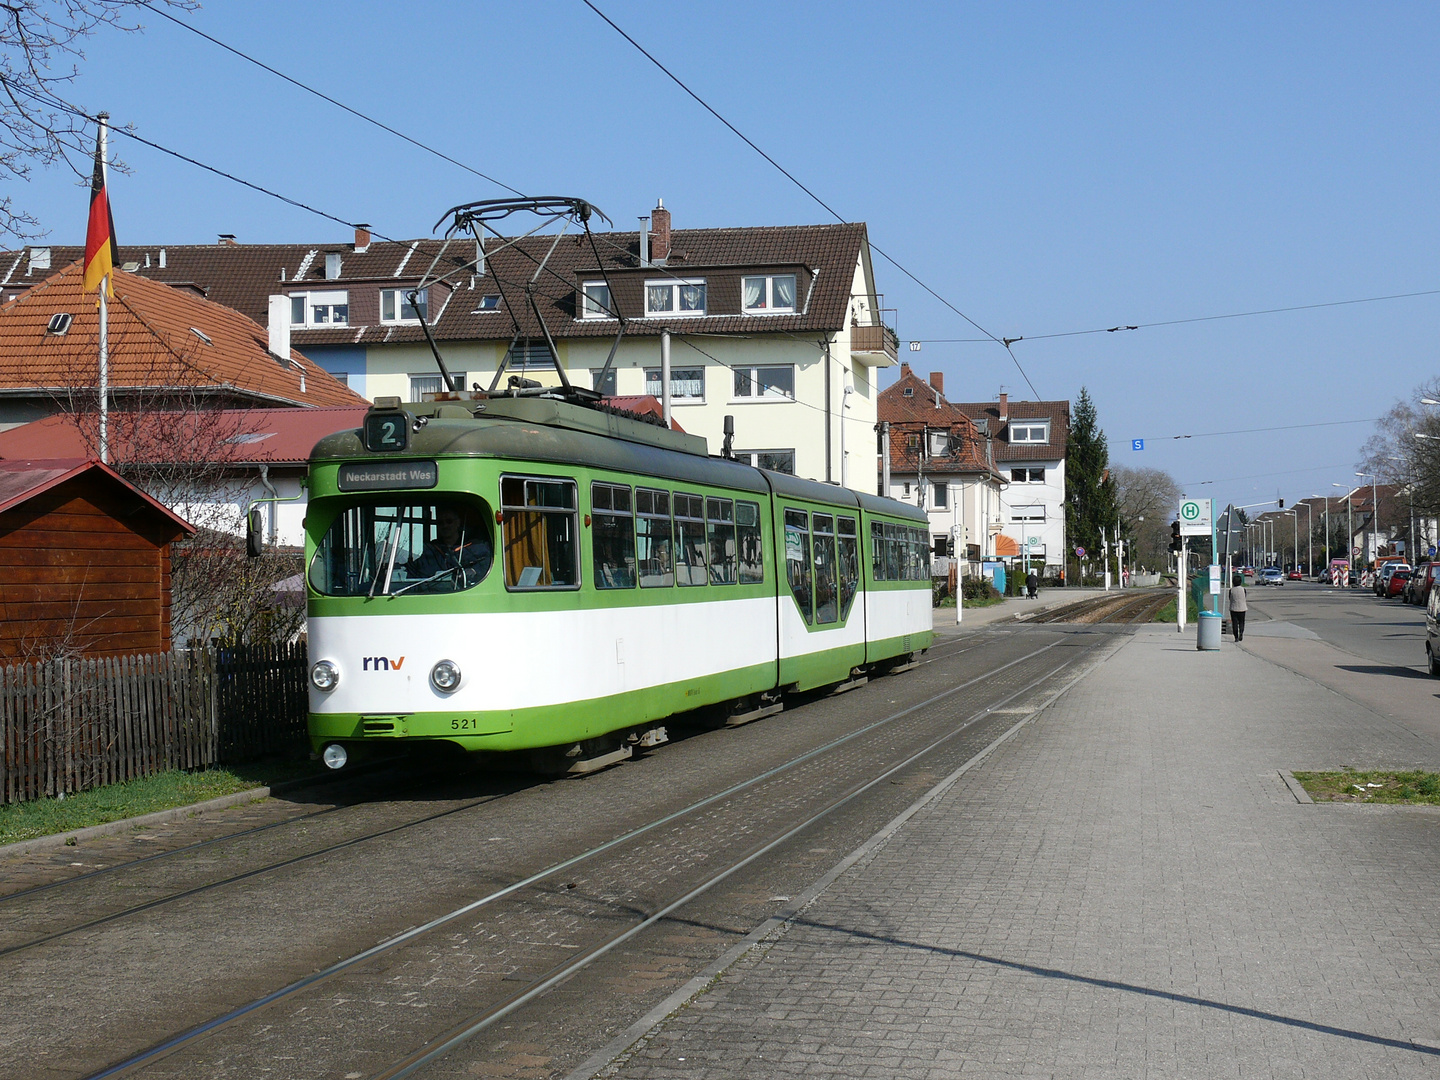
(1180, 587)
(884, 459)
(1105, 552)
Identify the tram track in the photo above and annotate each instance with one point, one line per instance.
(943, 650)
(1030, 669)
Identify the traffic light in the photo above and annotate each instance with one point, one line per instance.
(1280, 503)
(1175, 535)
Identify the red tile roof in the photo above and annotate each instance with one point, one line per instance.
(22, 480)
(242, 276)
(159, 337)
(1057, 412)
(222, 436)
(909, 414)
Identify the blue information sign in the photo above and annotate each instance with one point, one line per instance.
(1137, 444)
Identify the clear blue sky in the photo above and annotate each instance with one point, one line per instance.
(1046, 168)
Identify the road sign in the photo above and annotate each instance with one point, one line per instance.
(914, 346)
(1196, 516)
(1032, 541)
(1137, 444)
(1080, 552)
(1432, 551)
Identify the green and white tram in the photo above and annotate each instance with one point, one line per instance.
(523, 573)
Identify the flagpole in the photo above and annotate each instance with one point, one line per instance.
(104, 315)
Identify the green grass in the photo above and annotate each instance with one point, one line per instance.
(165, 791)
(1167, 613)
(1373, 786)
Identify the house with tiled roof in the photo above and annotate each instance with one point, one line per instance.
(779, 327)
(1028, 440)
(940, 461)
(166, 346)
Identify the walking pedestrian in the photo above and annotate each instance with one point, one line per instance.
(1237, 607)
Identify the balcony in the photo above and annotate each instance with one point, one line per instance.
(874, 346)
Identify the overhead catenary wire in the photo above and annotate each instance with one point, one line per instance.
(1252, 431)
(1003, 343)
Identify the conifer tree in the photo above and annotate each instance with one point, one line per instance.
(1089, 489)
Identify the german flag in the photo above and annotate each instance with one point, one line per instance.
(100, 252)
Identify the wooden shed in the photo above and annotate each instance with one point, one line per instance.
(84, 562)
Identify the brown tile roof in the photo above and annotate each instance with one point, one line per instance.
(155, 339)
(926, 407)
(238, 436)
(1057, 412)
(242, 276)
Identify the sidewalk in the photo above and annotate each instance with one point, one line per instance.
(1127, 888)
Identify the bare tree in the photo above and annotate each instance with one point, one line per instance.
(1151, 494)
(40, 46)
(1405, 449)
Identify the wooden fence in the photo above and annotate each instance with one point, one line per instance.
(70, 725)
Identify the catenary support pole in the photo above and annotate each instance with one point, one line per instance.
(665, 375)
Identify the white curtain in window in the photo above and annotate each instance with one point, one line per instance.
(692, 297)
(784, 288)
(659, 298)
(754, 288)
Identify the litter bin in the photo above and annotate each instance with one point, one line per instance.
(1208, 637)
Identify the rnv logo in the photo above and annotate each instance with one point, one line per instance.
(380, 663)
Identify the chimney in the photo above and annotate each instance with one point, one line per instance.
(280, 327)
(227, 238)
(904, 369)
(332, 265)
(645, 241)
(162, 258)
(1004, 406)
(937, 380)
(659, 233)
(362, 239)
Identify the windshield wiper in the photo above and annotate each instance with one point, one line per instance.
(423, 581)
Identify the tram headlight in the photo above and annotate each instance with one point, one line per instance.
(445, 676)
(324, 674)
(335, 756)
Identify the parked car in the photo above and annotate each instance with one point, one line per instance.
(1271, 575)
(1395, 583)
(1417, 589)
(1432, 630)
(1383, 573)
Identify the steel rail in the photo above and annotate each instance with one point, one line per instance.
(479, 1021)
(191, 1035)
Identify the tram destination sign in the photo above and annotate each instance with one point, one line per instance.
(368, 476)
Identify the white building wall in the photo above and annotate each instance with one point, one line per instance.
(1050, 534)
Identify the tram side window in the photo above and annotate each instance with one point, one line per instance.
(877, 550)
(922, 553)
(849, 544)
(613, 536)
(654, 539)
(827, 594)
(797, 560)
(690, 539)
(894, 552)
(747, 539)
(540, 528)
(720, 530)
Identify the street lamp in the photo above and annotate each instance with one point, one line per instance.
(1296, 514)
(1310, 536)
(1349, 531)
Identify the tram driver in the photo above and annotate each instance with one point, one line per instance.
(460, 544)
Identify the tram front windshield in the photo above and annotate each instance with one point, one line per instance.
(390, 549)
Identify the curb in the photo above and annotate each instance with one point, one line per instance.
(158, 817)
(614, 1052)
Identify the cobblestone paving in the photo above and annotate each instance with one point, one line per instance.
(1127, 889)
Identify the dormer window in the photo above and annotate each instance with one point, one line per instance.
(397, 307)
(672, 298)
(771, 294)
(595, 301)
(1029, 431)
(909, 391)
(320, 309)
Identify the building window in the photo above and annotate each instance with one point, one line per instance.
(1028, 513)
(595, 301)
(487, 303)
(530, 358)
(396, 306)
(771, 383)
(603, 381)
(772, 294)
(1027, 476)
(420, 385)
(942, 492)
(686, 384)
(781, 461)
(1029, 431)
(675, 298)
(320, 309)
